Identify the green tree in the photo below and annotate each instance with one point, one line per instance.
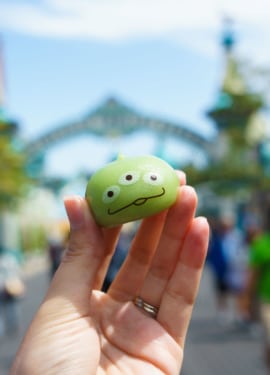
(14, 180)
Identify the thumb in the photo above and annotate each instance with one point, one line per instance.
(76, 275)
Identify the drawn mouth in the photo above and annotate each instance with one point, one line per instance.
(137, 202)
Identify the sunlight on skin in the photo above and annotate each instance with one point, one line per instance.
(79, 330)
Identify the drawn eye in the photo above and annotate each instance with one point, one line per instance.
(111, 193)
(129, 178)
(153, 178)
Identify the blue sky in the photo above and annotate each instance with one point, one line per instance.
(64, 57)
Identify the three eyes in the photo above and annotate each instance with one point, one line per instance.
(130, 178)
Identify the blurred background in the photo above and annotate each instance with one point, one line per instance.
(82, 81)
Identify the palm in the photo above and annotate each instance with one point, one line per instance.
(130, 341)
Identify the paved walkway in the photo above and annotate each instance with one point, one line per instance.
(36, 279)
(210, 349)
(214, 349)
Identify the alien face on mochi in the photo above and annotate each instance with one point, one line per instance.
(131, 188)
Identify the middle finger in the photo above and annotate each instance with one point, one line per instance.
(177, 223)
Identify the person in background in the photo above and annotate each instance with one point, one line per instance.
(55, 251)
(228, 258)
(259, 285)
(57, 244)
(12, 289)
(119, 254)
(236, 253)
(217, 261)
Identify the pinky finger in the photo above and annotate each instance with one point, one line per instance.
(181, 291)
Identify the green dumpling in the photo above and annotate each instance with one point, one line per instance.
(131, 188)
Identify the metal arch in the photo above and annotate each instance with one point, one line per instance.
(101, 123)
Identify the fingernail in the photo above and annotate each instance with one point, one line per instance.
(75, 211)
(182, 177)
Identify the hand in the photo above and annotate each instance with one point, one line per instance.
(80, 330)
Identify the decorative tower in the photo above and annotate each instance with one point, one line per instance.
(237, 171)
(235, 113)
(235, 166)
(235, 103)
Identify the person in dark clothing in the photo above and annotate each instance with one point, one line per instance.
(216, 259)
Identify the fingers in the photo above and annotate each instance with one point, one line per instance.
(165, 263)
(181, 290)
(133, 272)
(131, 276)
(177, 223)
(79, 271)
(156, 244)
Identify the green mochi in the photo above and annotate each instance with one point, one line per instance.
(131, 188)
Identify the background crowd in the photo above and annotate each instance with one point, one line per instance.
(240, 264)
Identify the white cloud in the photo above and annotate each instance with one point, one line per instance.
(191, 22)
(104, 19)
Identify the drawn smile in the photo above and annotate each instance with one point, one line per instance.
(137, 202)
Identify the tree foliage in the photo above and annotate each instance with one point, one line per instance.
(14, 179)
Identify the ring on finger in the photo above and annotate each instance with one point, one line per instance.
(146, 307)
